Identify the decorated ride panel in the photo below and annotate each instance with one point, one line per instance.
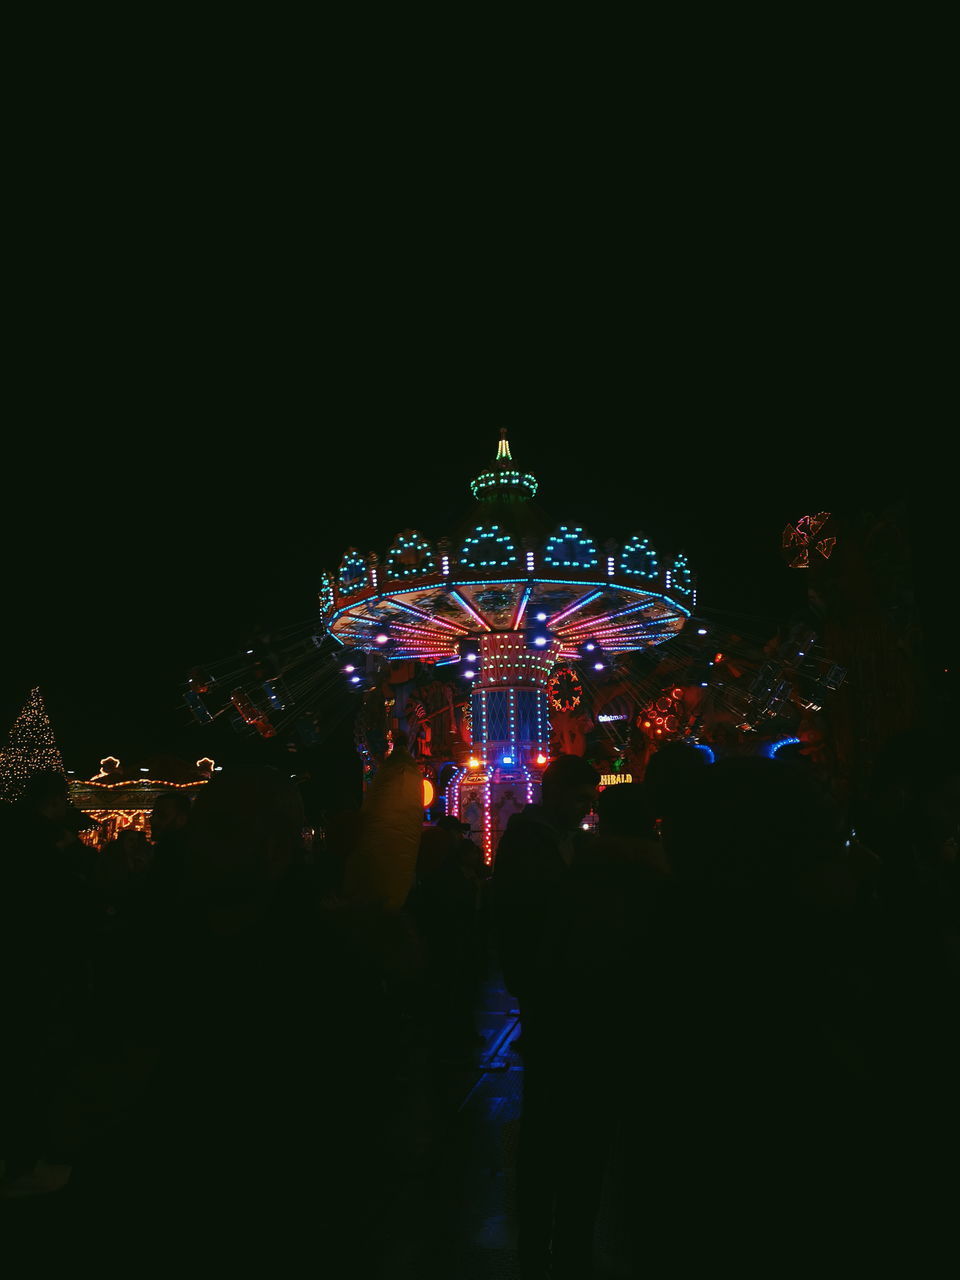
(428, 621)
(564, 689)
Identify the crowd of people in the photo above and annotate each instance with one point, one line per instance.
(771, 1001)
(204, 1034)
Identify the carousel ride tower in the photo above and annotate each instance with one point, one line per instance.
(521, 610)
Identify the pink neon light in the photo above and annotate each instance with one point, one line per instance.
(420, 613)
(468, 608)
(415, 631)
(572, 608)
(606, 617)
(521, 607)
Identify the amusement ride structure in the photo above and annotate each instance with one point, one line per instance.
(487, 653)
(522, 610)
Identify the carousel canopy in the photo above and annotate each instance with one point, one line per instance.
(503, 572)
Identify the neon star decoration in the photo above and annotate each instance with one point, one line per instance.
(800, 538)
(564, 689)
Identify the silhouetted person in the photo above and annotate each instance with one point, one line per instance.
(533, 905)
(912, 826)
(753, 1114)
(671, 770)
(445, 905)
(44, 974)
(168, 822)
(262, 1120)
(471, 855)
(479, 876)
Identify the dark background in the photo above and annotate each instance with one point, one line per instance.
(147, 552)
(230, 360)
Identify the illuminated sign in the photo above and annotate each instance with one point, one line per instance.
(612, 779)
(607, 719)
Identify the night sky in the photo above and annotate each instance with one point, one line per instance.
(150, 547)
(235, 351)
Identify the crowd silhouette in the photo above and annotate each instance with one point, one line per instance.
(206, 1038)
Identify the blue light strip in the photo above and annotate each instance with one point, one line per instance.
(594, 624)
(468, 608)
(572, 608)
(604, 585)
(451, 794)
(415, 653)
(426, 617)
(579, 582)
(624, 632)
(772, 748)
(521, 607)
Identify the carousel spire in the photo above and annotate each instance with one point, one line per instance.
(501, 480)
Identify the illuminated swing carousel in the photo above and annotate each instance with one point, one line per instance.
(523, 612)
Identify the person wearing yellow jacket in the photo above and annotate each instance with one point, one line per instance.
(381, 867)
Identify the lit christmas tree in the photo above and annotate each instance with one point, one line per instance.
(31, 749)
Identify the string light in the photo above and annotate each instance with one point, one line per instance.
(489, 483)
(410, 543)
(129, 783)
(31, 748)
(325, 594)
(353, 572)
(638, 558)
(503, 551)
(680, 575)
(569, 549)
